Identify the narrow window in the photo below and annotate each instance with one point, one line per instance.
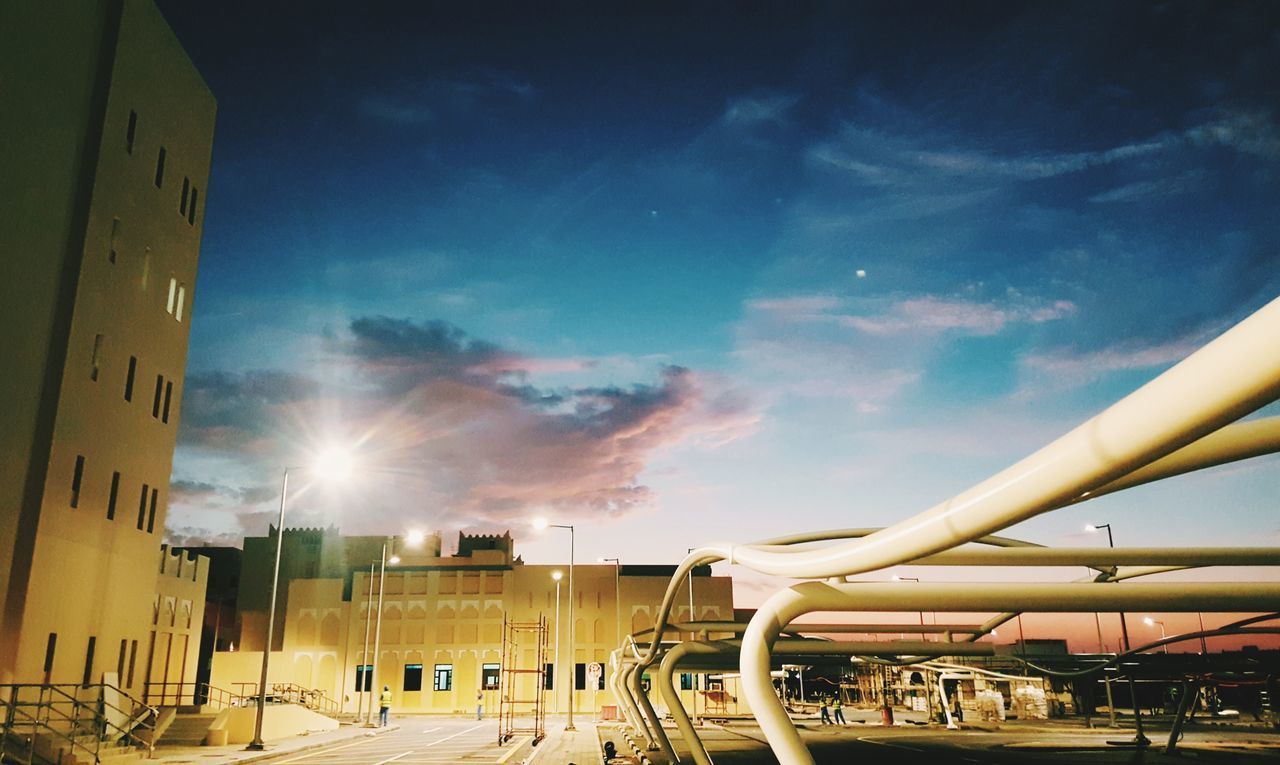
(155, 402)
(133, 659)
(489, 676)
(186, 189)
(115, 239)
(548, 677)
(146, 267)
(128, 380)
(580, 676)
(173, 294)
(75, 480)
(50, 648)
(686, 681)
(160, 168)
(191, 208)
(443, 678)
(151, 513)
(131, 132)
(124, 648)
(182, 298)
(142, 505)
(168, 394)
(111, 499)
(412, 677)
(97, 357)
(88, 662)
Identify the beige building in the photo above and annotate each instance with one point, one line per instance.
(104, 155)
(440, 638)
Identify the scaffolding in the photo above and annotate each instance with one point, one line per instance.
(521, 709)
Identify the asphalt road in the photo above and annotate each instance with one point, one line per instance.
(422, 741)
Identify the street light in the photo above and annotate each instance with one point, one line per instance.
(897, 578)
(1153, 622)
(556, 575)
(377, 630)
(1139, 738)
(330, 464)
(541, 523)
(617, 597)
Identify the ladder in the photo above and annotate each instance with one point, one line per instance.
(521, 692)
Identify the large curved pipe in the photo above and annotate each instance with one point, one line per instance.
(807, 597)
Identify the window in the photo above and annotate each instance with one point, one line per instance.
(155, 402)
(364, 677)
(128, 380)
(75, 480)
(151, 513)
(182, 298)
(142, 505)
(133, 657)
(88, 662)
(111, 498)
(50, 648)
(160, 168)
(173, 294)
(124, 649)
(412, 677)
(443, 678)
(579, 676)
(97, 356)
(489, 676)
(131, 132)
(686, 681)
(186, 189)
(548, 677)
(115, 239)
(191, 208)
(168, 394)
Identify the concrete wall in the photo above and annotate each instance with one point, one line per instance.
(90, 246)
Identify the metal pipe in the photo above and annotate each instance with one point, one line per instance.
(1221, 382)
(807, 597)
(256, 744)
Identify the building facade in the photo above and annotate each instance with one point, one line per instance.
(104, 153)
(439, 641)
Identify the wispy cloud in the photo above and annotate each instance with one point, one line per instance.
(927, 314)
(749, 111)
(1070, 367)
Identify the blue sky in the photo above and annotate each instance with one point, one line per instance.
(727, 272)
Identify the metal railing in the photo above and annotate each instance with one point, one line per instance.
(175, 694)
(44, 721)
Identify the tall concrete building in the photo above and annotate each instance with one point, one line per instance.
(105, 145)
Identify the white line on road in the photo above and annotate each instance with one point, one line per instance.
(430, 730)
(393, 759)
(323, 752)
(459, 733)
(515, 747)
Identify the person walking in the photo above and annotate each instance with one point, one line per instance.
(822, 707)
(479, 705)
(837, 712)
(384, 706)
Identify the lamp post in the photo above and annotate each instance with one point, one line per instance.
(556, 575)
(328, 464)
(1153, 622)
(1139, 738)
(617, 598)
(377, 630)
(542, 524)
(897, 578)
(362, 676)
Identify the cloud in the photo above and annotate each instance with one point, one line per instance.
(1068, 367)
(749, 111)
(926, 314)
(451, 423)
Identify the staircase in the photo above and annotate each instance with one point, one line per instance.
(187, 730)
(68, 724)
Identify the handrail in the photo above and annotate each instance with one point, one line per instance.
(60, 712)
(200, 694)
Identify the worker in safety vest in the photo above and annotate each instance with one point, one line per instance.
(836, 711)
(384, 706)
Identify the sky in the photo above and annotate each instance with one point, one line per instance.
(677, 273)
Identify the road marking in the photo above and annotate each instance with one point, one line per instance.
(515, 747)
(430, 730)
(459, 733)
(871, 740)
(322, 752)
(393, 759)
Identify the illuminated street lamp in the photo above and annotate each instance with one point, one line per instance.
(332, 464)
(541, 523)
(1153, 622)
(1139, 738)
